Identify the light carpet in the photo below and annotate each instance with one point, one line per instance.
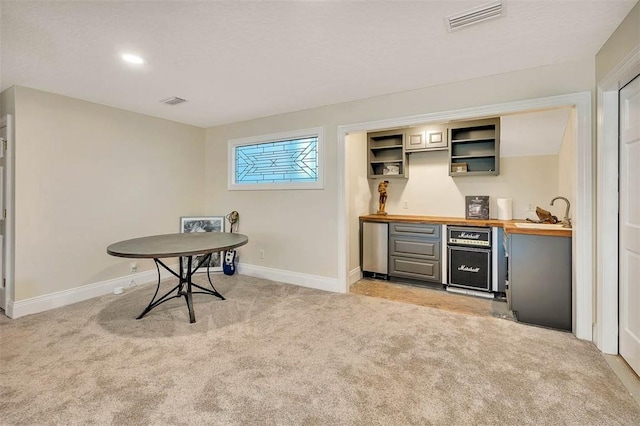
(280, 354)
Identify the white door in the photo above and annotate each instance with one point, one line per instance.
(3, 151)
(630, 223)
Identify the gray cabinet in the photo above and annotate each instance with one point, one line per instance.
(540, 279)
(426, 138)
(474, 147)
(386, 156)
(414, 251)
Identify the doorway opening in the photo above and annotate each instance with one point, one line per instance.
(606, 331)
(583, 233)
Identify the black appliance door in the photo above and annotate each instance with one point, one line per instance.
(470, 268)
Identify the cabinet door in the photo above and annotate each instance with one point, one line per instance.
(426, 138)
(540, 279)
(415, 140)
(436, 139)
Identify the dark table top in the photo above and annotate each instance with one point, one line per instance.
(175, 245)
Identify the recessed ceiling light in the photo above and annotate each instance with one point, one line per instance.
(132, 59)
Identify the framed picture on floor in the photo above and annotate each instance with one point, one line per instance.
(204, 224)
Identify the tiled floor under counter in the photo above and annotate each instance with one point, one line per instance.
(434, 298)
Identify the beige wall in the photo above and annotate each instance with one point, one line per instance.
(298, 229)
(620, 44)
(7, 101)
(295, 229)
(358, 193)
(89, 175)
(567, 166)
(431, 191)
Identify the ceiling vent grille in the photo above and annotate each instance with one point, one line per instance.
(473, 16)
(173, 101)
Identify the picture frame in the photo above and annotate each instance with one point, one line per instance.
(477, 207)
(204, 224)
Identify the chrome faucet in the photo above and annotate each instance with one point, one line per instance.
(566, 221)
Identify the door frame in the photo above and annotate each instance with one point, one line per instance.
(583, 241)
(608, 167)
(9, 199)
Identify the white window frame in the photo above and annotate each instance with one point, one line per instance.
(275, 137)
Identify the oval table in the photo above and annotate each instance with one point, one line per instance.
(185, 245)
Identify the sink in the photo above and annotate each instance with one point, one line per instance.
(528, 225)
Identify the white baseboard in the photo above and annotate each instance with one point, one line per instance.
(74, 295)
(355, 275)
(297, 278)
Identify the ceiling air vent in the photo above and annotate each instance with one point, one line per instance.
(474, 16)
(173, 101)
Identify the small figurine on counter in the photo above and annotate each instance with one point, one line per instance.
(382, 189)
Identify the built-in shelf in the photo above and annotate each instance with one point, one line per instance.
(472, 156)
(474, 147)
(386, 154)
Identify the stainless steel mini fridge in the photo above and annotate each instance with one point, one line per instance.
(375, 248)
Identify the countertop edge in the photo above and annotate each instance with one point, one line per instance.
(508, 225)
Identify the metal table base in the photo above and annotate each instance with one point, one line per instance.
(184, 287)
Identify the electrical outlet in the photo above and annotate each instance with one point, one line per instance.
(261, 254)
(405, 204)
(529, 207)
(133, 267)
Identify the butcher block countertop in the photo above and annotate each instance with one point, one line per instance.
(508, 225)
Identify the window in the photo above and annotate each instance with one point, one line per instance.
(291, 160)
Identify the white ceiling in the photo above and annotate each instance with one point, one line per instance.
(238, 60)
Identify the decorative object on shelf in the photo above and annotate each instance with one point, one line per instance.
(477, 207)
(382, 189)
(458, 167)
(204, 224)
(391, 169)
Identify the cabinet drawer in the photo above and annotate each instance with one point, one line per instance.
(422, 248)
(423, 230)
(414, 268)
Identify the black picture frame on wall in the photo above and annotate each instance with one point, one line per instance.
(477, 207)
